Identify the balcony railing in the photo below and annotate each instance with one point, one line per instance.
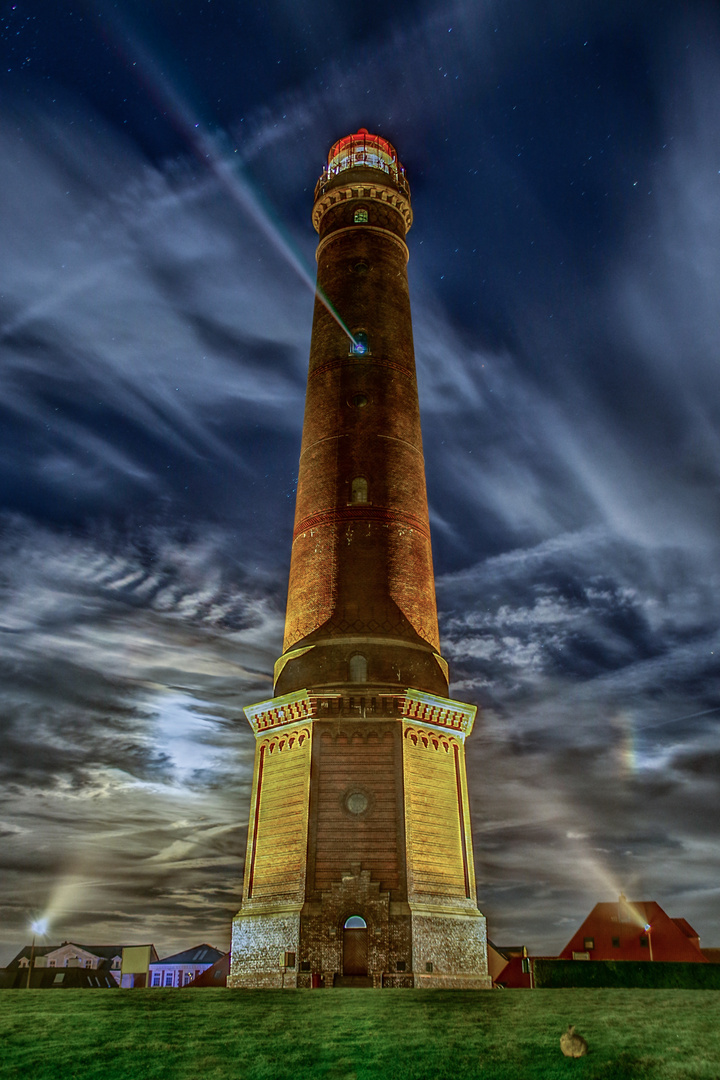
(363, 158)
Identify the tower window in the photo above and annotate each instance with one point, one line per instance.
(359, 345)
(361, 216)
(358, 668)
(359, 490)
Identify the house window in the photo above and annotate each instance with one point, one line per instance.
(305, 965)
(51, 963)
(429, 967)
(168, 978)
(616, 943)
(361, 216)
(188, 975)
(156, 978)
(589, 943)
(643, 942)
(88, 963)
(526, 966)
(359, 490)
(289, 960)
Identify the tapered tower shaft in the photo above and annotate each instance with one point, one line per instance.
(361, 576)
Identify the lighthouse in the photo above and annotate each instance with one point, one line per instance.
(359, 865)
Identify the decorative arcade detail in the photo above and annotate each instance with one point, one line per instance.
(359, 867)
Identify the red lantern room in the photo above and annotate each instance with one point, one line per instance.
(362, 151)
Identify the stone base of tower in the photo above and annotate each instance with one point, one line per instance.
(265, 946)
(359, 866)
(449, 949)
(403, 945)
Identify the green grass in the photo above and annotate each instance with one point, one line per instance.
(357, 1034)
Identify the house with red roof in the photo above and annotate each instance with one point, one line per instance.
(634, 930)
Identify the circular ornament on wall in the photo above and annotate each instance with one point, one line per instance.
(356, 802)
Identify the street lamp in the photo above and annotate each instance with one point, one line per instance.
(37, 927)
(647, 928)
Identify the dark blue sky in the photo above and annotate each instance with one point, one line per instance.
(157, 164)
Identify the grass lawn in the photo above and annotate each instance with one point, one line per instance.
(357, 1034)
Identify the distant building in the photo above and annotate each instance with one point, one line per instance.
(135, 968)
(182, 968)
(510, 966)
(217, 975)
(634, 930)
(122, 964)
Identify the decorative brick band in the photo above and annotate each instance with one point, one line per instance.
(280, 711)
(360, 513)
(366, 359)
(381, 191)
(440, 712)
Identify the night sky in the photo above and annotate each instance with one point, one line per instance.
(157, 166)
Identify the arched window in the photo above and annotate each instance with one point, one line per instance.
(361, 216)
(358, 668)
(355, 922)
(359, 490)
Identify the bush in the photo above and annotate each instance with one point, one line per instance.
(633, 974)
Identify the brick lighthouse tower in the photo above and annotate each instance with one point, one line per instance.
(359, 866)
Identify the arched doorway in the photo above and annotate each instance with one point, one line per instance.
(355, 946)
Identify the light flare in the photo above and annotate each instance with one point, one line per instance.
(208, 147)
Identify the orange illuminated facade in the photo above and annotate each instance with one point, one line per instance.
(359, 861)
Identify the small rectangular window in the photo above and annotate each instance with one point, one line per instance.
(643, 942)
(589, 943)
(616, 943)
(289, 960)
(305, 965)
(525, 966)
(401, 965)
(156, 978)
(428, 967)
(168, 978)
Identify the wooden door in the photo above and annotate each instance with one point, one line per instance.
(355, 951)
